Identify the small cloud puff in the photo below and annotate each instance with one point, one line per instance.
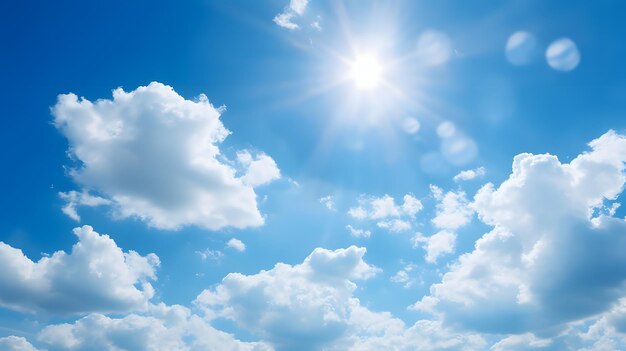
(295, 9)
(470, 174)
(236, 244)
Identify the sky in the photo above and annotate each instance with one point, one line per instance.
(312, 175)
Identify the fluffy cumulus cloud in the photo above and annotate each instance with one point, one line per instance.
(436, 245)
(387, 214)
(97, 276)
(161, 328)
(453, 211)
(305, 306)
(15, 343)
(153, 155)
(236, 244)
(260, 169)
(555, 254)
(310, 306)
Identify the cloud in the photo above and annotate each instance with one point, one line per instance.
(295, 9)
(155, 156)
(453, 209)
(310, 306)
(553, 256)
(236, 244)
(261, 169)
(384, 207)
(97, 276)
(358, 233)
(208, 254)
(395, 225)
(424, 335)
(388, 215)
(520, 342)
(329, 202)
(75, 198)
(304, 306)
(441, 243)
(470, 174)
(162, 328)
(403, 276)
(15, 343)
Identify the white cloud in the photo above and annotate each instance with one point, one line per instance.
(404, 277)
(384, 207)
(285, 20)
(310, 306)
(97, 276)
(470, 174)
(357, 213)
(394, 225)
(424, 335)
(549, 259)
(441, 243)
(411, 205)
(295, 9)
(453, 209)
(298, 6)
(15, 343)
(155, 156)
(388, 215)
(162, 328)
(236, 244)
(305, 306)
(520, 342)
(75, 198)
(208, 254)
(358, 233)
(261, 169)
(329, 202)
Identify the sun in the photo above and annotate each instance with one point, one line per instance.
(366, 72)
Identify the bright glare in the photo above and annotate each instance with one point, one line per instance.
(366, 72)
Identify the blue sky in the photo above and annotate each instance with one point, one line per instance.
(312, 175)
